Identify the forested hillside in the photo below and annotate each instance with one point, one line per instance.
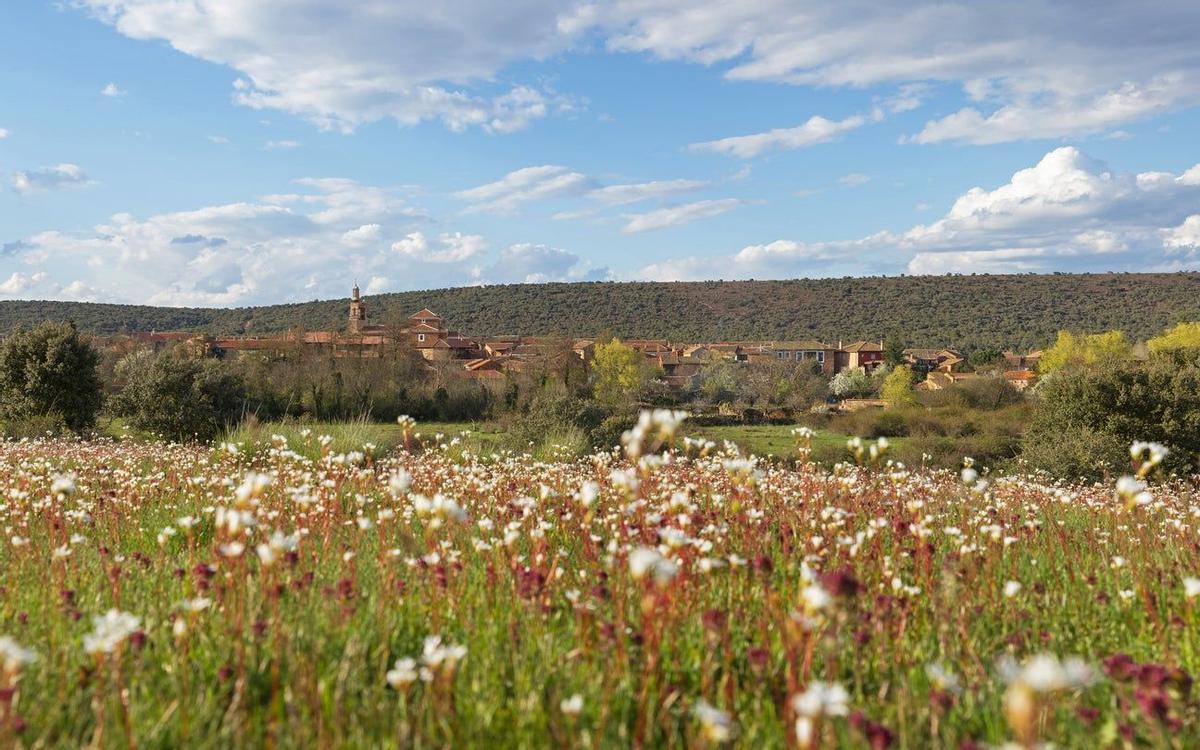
(1015, 312)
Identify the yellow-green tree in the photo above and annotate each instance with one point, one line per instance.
(897, 387)
(619, 373)
(1182, 336)
(1087, 350)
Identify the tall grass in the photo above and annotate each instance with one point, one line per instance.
(677, 600)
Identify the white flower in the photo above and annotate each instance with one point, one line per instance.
(815, 598)
(942, 678)
(252, 486)
(1133, 491)
(1046, 673)
(1191, 587)
(403, 674)
(192, 606)
(1012, 588)
(399, 483)
(14, 656)
(109, 631)
(63, 485)
(717, 725)
(436, 655)
(572, 706)
(822, 699)
(645, 560)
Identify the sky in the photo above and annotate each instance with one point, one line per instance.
(245, 152)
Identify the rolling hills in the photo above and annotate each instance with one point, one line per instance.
(1017, 312)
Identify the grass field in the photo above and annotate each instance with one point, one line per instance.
(166, 596)
(774, 441)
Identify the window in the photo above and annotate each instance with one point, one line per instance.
(420, 337)
(821, 357)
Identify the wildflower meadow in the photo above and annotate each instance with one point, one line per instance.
(668, 593)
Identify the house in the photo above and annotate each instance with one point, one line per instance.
(865, 355)
(928, 360)
(1021, 379)
(1021, 362)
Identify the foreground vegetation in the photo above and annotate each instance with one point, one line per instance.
(164, 596)
(967, 312)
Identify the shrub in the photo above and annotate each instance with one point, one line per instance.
(48, 375)
(180, 399)
(1085, 419)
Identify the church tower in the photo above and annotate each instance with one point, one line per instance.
(358, 311)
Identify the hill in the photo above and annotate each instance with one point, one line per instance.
(1019, 312)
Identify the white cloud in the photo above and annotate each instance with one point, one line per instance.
(347, 63)
(285, 247)
(1060, 115)
(281, 145)
(3, 134)
(1186, 235)
(671, 216)
(363, 235)
(112, 90)
(217, 139)
(533, 264)
(1037, 68)
(506, 195)
(620, 195)
(57, 177)
(854, 179)
(19, 282)
(815, 130)
(1066, 213)
(446, 248)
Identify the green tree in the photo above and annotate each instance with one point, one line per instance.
(619, 373)
(893, 351)
(179, 398)
(897, 387)
(1182, 336)
(48, 374)
(1089, 350)
(985, 359)
(1085, 419)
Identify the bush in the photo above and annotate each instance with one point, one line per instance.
(988, 393)
(550, 413)
(48, 375)
(180, 399)
(1085, 419)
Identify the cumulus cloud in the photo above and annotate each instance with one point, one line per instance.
(1067, 212)
(671, 216)
(363, 235)
(112, 90)
(815, 130)
(341, 64)
(532, 264)
(310, 242)
(521, 186)
(446, 248)
(3, 134)
(283, 145)
(19, 282)
(58, 177)
(854, 179)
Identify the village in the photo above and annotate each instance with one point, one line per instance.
(678, 365)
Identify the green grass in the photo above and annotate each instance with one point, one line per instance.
(777, 441)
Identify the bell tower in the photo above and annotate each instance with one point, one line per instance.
(358, 311)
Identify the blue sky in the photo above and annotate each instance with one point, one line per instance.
(227, 152)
